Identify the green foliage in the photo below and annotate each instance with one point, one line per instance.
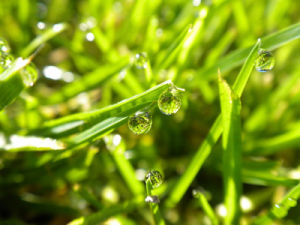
(67, 155)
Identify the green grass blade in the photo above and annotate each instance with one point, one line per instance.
(207, 209)
(237, 57)
(154, 206)
(212, 137)
(98, 217)
(88, 82)
(232, 148)
(48, 34)
(81, 121)
(267, 219)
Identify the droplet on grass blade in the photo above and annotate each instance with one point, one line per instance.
(169, 102)
(4, 47)
(279, 210)
(152, 199)
(141, 60)
(6, 60)
(140, 122)
(154, 177)
(291, 202)
(29, 74)
(264, 61)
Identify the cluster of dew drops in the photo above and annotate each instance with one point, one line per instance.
(29, 73)
(169, 102)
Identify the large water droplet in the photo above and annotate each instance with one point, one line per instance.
(291, 202)
(169, 102)
(6, 60)
(141, 61)
(264, 61)
(29, 74)
(152, 199)
(140, 122)
(154, 177)
(279, 210)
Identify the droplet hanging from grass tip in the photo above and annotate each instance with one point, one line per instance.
(141, 60)
(264, 61)
(29, 74)
(140, 122)
(154, 177)
(169, 102)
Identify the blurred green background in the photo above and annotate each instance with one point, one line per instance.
(89, 64)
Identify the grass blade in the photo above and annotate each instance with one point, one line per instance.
(232, 148)
(207, 209)
(212, 137)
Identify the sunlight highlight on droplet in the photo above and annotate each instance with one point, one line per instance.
(90, 36)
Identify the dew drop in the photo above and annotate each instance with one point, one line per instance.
(264, 61)
(154, 177)
(29, 74)
(169, 102)
(279, 210)
(291, 202)
(141, 60)
(152, 199)
(140, 122)
(6, 60)
(196, 193)
(4, 47)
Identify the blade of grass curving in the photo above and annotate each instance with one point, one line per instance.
(207, 209)
(78, 122)
(11, 82)
(232, 148)
(236, 58)
(48, 34)
(212, 137)
(98, 217)
(154, 206)
(289, 200)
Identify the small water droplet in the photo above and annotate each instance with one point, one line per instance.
(291, 202)
(154, 177)
(264, 61)
(169, 102)
(196, 193)
(6, 60)
(4, 47)
(279, 210)
(141, 60)
(29, 74)
(152, 199)
(41, 25)
(90, 37)
(140, 122)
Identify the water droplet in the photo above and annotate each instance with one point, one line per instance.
(291, 202)
(41, 25)
(141, 61)
(4, 47)
(29, 74)
(152, 199)
(196, 193)
(140, 122)
(264, 61)
(90, 36)
(154, 177)
(6, 60)
(279, 210)
(169, 102)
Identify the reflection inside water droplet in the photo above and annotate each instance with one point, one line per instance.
(140, 122)
(141, 61)
(6, 60)
(169, 102)
(279, 210)
(29, 74)
(264, 61)
(154, 177)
